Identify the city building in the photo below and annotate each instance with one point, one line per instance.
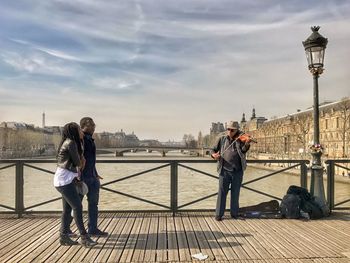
(18, 139)
(291, 135)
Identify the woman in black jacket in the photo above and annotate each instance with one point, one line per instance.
(69, 162)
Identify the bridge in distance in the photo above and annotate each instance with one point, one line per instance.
(163, 150)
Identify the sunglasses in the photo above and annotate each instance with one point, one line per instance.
(232, 130)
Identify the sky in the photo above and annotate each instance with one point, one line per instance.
(165, 68)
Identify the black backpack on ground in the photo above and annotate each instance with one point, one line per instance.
(299, 191)
(307, 202)
(290, 206)
(312, 208)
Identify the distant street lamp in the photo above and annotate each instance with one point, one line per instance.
(315, 46)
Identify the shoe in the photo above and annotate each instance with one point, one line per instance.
(218, 218)
(66, 241)
(98, 233)
(70, 233)
(86, 241)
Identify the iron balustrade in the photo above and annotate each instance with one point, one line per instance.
(331, 164)
(173, 165)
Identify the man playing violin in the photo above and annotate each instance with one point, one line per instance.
(230, 152)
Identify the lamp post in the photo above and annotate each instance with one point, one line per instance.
(315, 46)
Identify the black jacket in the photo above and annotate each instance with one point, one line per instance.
(90, 157)
(68, 156)
(242, 149)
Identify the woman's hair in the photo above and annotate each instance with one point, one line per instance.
(71, 131)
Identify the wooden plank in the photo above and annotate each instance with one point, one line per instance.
(191, 237)
(18, 238)
(202, 241)
(122, 239)
(41, 238)
(305, 241)
(173, 249)
(213, 243)
(250, 226)
(142, 240)
(244, 249)
(58, 250)
(18, 243)
(161, 253)
(232, 240)
(107, 226)
(321, 236)
(46, 245)
(151, 247)
(338, 229)
(225, 245)
(22, 225)
(243, 231)
(184, 252)
(114, 229)
(132, 240)
(269, 239)
(290, 242)
(78, 253)
(7, 225)
(286, 240)
(262, 240)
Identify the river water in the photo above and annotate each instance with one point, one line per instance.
(153, 186)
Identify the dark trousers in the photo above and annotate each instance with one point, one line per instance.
(71, 200)
(92, 197)
(227, 178)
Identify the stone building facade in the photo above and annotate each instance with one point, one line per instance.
(291, 136)
(20, 140)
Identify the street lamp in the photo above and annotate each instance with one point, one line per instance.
(315, 46)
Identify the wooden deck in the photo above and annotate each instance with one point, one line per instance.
(146, 237)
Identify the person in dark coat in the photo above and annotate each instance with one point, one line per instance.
(230, 152)
(90, 176)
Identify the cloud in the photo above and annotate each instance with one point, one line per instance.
(165, 68)
(35, 63)
(115, 84)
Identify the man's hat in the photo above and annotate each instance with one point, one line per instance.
(233, 125)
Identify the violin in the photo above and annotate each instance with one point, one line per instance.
(245, 137)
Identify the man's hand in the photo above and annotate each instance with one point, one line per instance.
(216, 156)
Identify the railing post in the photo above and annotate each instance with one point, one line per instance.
(173, 187)
(19, 189)
(303, 175)
(330, 184)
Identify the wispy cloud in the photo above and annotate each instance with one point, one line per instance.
(165, 67)
(115, 84)
(36, 64)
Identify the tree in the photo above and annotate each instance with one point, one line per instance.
(200, 139)
(303, 126)
(344, 108)
(206, 141)
(189, 141)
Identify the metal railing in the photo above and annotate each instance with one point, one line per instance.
(331, 191)
(173, 207)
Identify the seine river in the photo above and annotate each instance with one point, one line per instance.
(153, 186)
